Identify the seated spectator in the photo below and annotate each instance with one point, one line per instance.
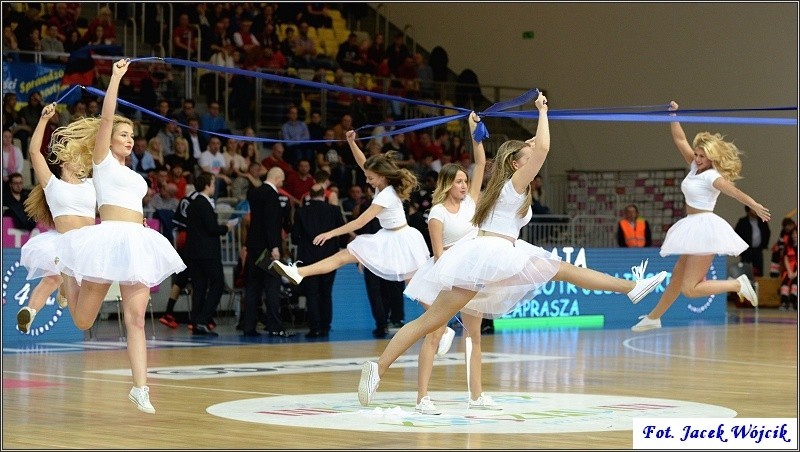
(355, 197)
(179, 178)
(51, 44)
(212, 121)
(13, 203)
(252, 178)
(13, 159)
(376, 54)
(276, 159)
(155, 147)
(287, 46)
(181, 157)
(213, 161)
(197, 142)
(317, 15)
(349, 55)
(299, 182)
(243, 38)
(105, 21)
(184, 39)
(63, 20)
(537, 192)
(296, 130)
(166, 198)
(142, 161)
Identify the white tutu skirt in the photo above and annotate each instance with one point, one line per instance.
(121, 251)
(501, 272)
(702, 234)
(392, 255)
(39, 254)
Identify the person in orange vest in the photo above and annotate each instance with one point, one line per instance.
(633, 231)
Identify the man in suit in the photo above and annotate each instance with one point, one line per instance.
(264, 235)
(203, 255)
(756, 233)
(309, 221)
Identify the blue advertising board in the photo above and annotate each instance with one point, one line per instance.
(52, 324)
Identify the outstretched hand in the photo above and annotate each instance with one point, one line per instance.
(762, 212)
(48, 111)
(322, 238)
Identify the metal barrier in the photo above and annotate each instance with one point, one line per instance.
(588, 231)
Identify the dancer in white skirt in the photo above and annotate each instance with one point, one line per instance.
(713, 166)
(119, 249)
(396, 251)
(450, 220)
(64, 203)
(494, 271)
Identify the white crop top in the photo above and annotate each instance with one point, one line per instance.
(504, 219)
(392, 216)
(118, 185)
(64, 198)
(455, 226)
(698, 189)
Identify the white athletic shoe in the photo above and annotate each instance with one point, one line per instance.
(646, 285)
(484, 402)
(61, 300)
(426, 406)
(289, 271)
(141, 398)
(25, 317)
(446, 341)
(746, 290)
(368, 383)
(645, 324)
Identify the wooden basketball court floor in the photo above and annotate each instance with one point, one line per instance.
(560, 389)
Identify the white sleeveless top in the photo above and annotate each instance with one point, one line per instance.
(455, 226)
(118, 185)
(698, 189)
(504, 219)
(64, 198)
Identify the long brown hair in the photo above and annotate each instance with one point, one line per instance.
(502, 170)
(403, 180)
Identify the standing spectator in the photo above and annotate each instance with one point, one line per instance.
(13, 160)
(213, 161)
(789, 274)
(397, 52)
(776, 261)
(309, 221)
(288, 45)
(756, 233)
(633, 231)
(537, 193)
(196, 141)
(184, 38)
(203, 256)
(376, 54)
(264, 236)
(424, 76)
(105, 21)
(13, 203)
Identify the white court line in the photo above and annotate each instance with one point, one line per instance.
(627, 344)
(128, 383)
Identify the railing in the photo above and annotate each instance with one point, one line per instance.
(590, 231)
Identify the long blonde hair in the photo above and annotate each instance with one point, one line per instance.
(36, 207)
(724, 155)
(403, 180)
(445, 181)
(74, 143)
(502, 170)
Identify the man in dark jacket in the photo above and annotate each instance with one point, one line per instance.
(311, 220)
(756, 233)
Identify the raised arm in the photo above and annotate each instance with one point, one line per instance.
(102, 144)
(679, 137)
(727, 187)
(38, 161)
(358, 154)
(479, 155)
(541, 146)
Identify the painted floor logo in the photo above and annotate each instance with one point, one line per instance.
(521, 413)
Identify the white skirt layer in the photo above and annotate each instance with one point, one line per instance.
(702, 233)
(392, 255)
(501, 272)
(39, 254)
(119, 251)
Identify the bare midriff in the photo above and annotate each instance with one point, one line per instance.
(692, 210)
(110, 212)
(66, 223)
(494, 234)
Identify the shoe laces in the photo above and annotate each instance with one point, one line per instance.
(426, 404)
(638, 270)
(484, 400)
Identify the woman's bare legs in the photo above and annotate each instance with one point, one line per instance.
(134, 305)
(328, 264)
(426, 356)
(587, 278)
(688, 277)
(85, 300)
(472, 329)
(446, 305)
(39, 295)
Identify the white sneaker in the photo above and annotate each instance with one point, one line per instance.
(644, 285)
(61, 300)
(289, 271)
(25, 317)
(646, 323)
(368, 383)
(746, 290)
(141, 398)
(484, 402)
(426, 406)
(446, 341)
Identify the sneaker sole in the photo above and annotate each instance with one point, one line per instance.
(428, 412)
(363, 384)
(141, 408)
(645, 328)
(279, 270)
(485, 408)
(24, 321)
(649, 288)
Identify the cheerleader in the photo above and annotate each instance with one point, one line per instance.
(64, 204)
(494, 271)
(396, 251)
(450, 220)
(713, 166)
(119, 249)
